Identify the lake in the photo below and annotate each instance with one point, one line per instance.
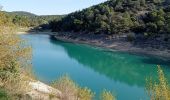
(122, 73)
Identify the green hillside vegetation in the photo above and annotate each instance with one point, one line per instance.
(33, 20)
(51, 17)
(23, 13)
(26, 19)
(148, 17)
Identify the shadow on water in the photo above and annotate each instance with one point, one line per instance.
(156, 61)
(118, 66)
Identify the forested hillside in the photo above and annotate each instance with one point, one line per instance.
(148, 17)
(26, 19)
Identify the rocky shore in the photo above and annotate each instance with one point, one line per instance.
(117, 42)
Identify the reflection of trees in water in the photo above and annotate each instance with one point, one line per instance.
(118, 66)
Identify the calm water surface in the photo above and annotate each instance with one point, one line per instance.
(122, 73)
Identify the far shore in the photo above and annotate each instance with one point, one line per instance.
(118, 45)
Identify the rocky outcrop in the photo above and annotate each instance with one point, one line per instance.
(41, 91)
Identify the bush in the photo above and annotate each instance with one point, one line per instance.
(151, 27)
(107, 95)
(67, 86)
(71, 91)
(158, 90)
(85, 94)
(3, 95)
(15, 57)
(131, 37)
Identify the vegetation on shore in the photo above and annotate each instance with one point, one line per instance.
(158, 89)
(145, 18)
(72, 91)
(15, 58)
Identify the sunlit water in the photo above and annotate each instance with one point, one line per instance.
(122, 73)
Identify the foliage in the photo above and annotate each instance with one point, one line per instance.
(85, 94)
(117, 17)
(3, 95)
(15, 58)
(107, 95)
(26, 19)
(70, 90)
(67, 86)
(158, 90)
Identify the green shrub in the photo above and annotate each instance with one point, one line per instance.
(3, 95)
(131, 37)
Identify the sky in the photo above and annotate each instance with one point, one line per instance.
(47, 7)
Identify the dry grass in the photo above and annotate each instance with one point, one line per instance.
(85, 94)
(15, 58)
(107, 95)
(71, 91)
(67, 86)
(158, 90)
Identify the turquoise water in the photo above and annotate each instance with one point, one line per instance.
(122, 73)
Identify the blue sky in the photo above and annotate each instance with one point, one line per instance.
(47, 7)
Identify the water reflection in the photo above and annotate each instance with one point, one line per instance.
(118, 66)
(95, 68)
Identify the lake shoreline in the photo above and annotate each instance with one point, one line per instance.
(124, 47)
(84, 57)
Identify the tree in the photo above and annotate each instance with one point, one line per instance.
(126, 21)
(151, 27)
(143, 2)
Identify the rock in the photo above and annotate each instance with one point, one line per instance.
(41, 91)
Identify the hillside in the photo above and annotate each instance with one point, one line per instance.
(119, 16)
(144, 23)
(23, 13)
(27, 19)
